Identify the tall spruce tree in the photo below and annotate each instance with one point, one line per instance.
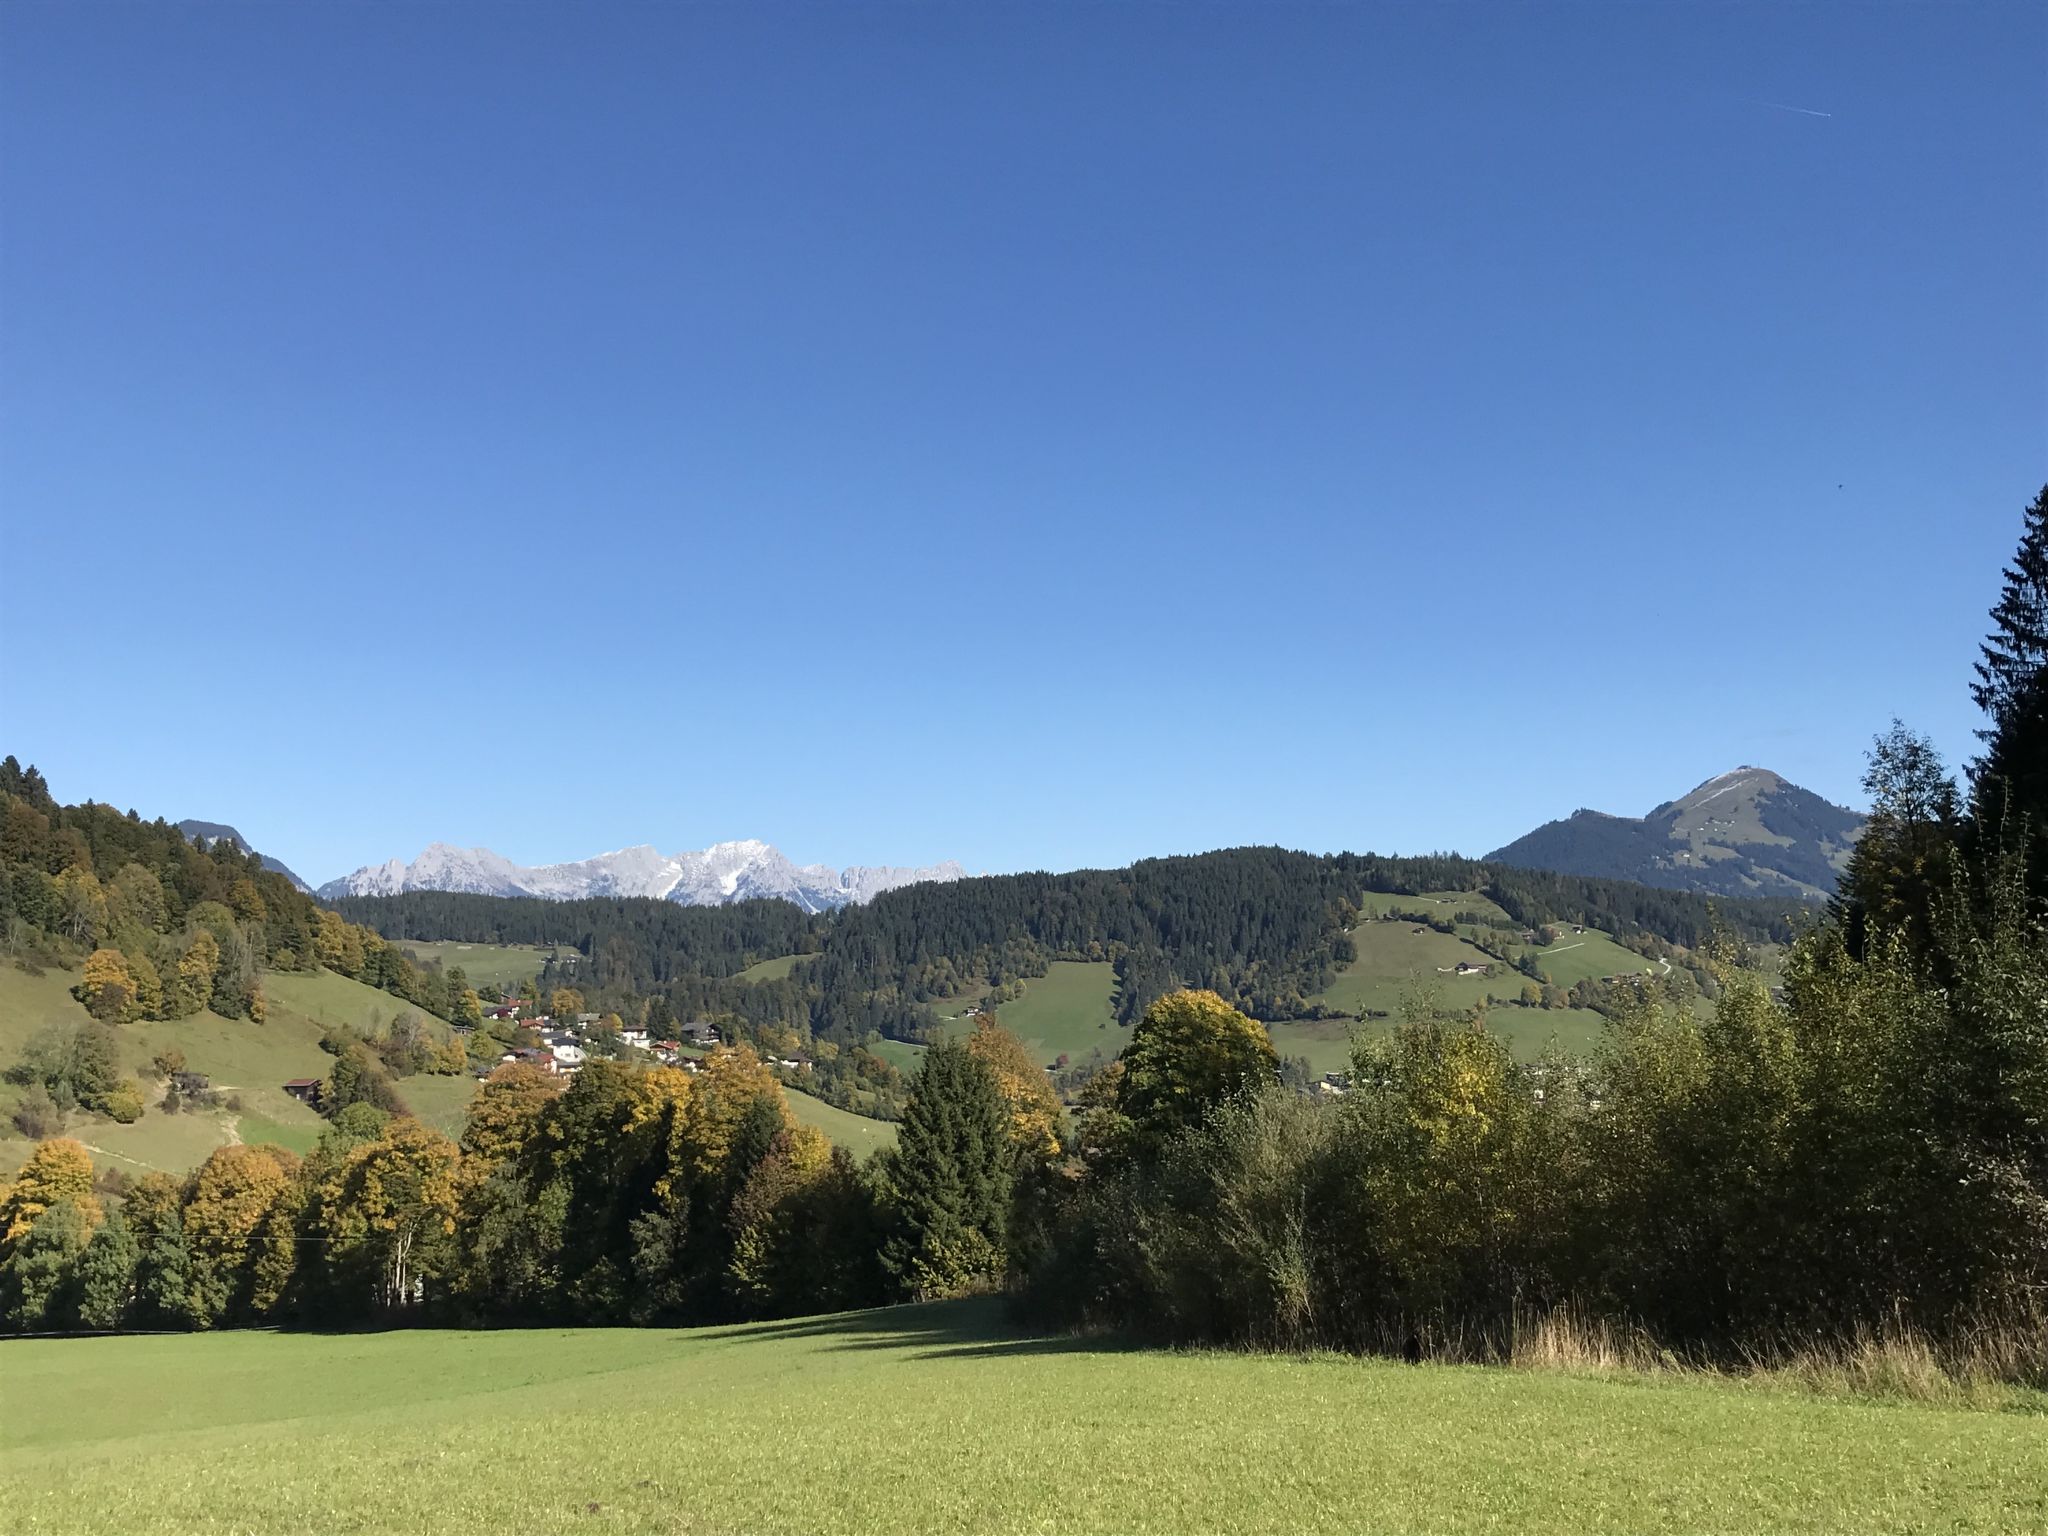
(2010, 781)
(949, 1177)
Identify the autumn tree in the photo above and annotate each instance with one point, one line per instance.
(1035, 1116)
(241, 1250)
(1190, 1051)
(191, 986)
(107, 988)
(56, 1170)
(506, 1111)
(386, 1215)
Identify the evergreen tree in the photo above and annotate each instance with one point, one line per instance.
(2011, 779)
(949, 1176)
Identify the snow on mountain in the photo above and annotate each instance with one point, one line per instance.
(737, 871)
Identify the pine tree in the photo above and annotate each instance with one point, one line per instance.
(949, 1177)
(2010, 781)
(2016, 651)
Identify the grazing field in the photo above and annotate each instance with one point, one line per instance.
(326, 998)
(938, 1418)
(493, 965)
(900, 1054)
(1394, 959)
(1529, 1032)
(1588, 956)
(245, 1061)
(1067, 1010)
(857, 1133)
(774, 969)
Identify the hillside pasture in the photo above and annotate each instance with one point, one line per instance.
(774, 969)
(484, 965)
(857, 1133)
(1587, 956)
(963, 1425)
(1065, 1011)
(1395, 960)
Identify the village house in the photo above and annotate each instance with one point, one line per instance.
(699, 1033)
(637, 1038)
(305, 1089)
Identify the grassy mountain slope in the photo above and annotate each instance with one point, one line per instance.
(248, 1061)
(1746, 833)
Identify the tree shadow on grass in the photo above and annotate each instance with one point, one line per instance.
(978, 1328)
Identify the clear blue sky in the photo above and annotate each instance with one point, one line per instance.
(1040, 435)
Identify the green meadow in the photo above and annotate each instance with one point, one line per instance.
(941, 1418)
(773, 969)
(1065, 1011)
(493, 965)
(857, 1133)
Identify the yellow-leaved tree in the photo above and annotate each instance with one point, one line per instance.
(1035, 1116)
(1190, 1051)
(388, 1210)
(107, 987)
(60, 1169)
(241, 1250)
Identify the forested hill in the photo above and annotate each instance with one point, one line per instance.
(1746, 833)
(1262, 926)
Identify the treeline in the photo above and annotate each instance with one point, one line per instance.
(1263, 927)
(167, 927)
(635, 1194)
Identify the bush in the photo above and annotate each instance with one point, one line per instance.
(124, 1104)
(37, 1116)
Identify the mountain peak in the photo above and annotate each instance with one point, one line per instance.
(1746, 832)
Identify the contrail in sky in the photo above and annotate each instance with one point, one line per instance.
(1781, 107)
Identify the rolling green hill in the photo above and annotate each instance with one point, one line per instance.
(247, 1061)
(964, 1424)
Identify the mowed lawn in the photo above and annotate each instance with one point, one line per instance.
(938, 1419)
(1065, 1011)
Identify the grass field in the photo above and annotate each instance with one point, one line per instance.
(1394, 959)
(772, 970)
(939, 1419)
(248, 1061)
(1529, 1032)
(857, 1133)
(1065, 1010)
(900, 1054)
(494, 965)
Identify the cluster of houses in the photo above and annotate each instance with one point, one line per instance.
(565, 1046)
(564, 1043)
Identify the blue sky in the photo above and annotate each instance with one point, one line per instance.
(1038, 435)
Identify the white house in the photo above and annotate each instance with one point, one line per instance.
(567, 1053)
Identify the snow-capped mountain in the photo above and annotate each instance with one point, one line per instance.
(721, 873)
